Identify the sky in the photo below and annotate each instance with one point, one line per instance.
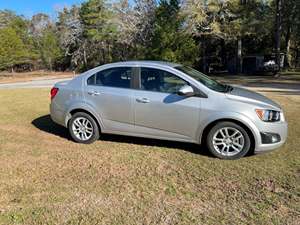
(30, 7)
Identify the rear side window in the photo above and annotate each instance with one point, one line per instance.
(113, 77)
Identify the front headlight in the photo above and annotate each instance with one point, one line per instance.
(267, 115)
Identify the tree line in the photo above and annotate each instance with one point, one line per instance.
(192, 32)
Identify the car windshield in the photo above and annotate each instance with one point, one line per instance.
(205, 80)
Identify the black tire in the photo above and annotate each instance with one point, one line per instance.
(94, 127)
(216, 128)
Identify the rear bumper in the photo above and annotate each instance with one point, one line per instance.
(277, 128)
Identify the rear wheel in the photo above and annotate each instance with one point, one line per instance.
(83, 128)
(228, 140)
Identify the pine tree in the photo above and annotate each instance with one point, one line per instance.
(170, 42)
(12, 49)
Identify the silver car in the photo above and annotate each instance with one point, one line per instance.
(167, 101)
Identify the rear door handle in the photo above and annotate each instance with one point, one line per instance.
(143, 100)
(94, 93)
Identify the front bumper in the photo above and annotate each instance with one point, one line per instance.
(280, 128)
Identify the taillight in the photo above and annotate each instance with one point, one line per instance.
(53, 92)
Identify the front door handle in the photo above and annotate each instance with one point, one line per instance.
(143, 100)
(94, 93)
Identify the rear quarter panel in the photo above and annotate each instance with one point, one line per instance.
(69, 97)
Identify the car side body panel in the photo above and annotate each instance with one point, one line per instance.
(170, 114)
(113, 105)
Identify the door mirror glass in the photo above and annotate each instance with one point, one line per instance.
(186, 90)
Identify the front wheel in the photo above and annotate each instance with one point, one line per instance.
(83, 128)
(228, 140)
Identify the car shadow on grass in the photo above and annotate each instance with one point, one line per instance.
(45, 124)
(188, 147)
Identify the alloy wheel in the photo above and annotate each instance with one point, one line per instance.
(228, 141)
(82, 128)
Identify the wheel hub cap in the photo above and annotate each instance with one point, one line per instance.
(82, 128)
(228, 141)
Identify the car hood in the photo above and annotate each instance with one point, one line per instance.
(245, 95)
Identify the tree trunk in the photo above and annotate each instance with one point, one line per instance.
(297, 58)
(103, 56)
(239, 56)
(287, 47)
(109, 58)
(204, 63)
(223, 53)
(84, 58)
(278, 31)
(290, 21)
(84, 55)
(50, 63)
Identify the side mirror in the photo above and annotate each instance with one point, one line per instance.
(186, 90)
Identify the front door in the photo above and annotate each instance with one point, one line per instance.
(159, 111)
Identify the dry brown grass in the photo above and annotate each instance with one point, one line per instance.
(47, 179)
(6, 77)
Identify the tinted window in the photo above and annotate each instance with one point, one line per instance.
(91, 80)
(114, 77)
(160, 80)
(202, 78)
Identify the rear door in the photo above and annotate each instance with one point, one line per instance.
(109, 92)
(159, 111)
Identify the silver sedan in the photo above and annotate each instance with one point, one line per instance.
(167, 101)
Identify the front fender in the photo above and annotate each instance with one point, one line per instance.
(205, 122)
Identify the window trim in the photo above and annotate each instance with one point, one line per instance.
(136, 78)
(132, 80)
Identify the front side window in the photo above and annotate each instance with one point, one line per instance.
(160, 81)
(113, 77)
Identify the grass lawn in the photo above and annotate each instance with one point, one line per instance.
(45, 178)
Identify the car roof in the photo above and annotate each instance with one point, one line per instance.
(145, 63)
(139, 63)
